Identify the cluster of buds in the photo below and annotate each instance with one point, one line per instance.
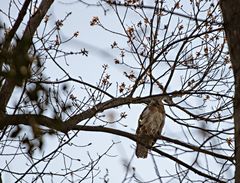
(130, 32)
(123, 115)
(131, 2)
(131, 76)
(122, 87)
(105, 80)
(59, 24)
(94, 21)
(229, 141)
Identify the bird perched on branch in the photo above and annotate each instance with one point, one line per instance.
(150, 126)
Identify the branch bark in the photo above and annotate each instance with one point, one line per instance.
(231, 14)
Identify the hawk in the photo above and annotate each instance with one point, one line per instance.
(150, 126)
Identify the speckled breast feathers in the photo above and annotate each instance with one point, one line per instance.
(150, 125)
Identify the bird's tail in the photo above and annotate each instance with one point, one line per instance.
(141, 151)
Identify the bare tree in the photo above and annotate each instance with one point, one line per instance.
(166, 50)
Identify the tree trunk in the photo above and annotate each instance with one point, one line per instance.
(231, 17)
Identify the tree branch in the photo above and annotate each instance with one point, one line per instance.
(163, 10)
(59, 126)
(33, 24)
(16, 25)
(21, 50)
(107, 105)
(231, 13)
(28, 119)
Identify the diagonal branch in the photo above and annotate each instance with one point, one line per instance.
(33, 24)
(16, 25)
(21, 49)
